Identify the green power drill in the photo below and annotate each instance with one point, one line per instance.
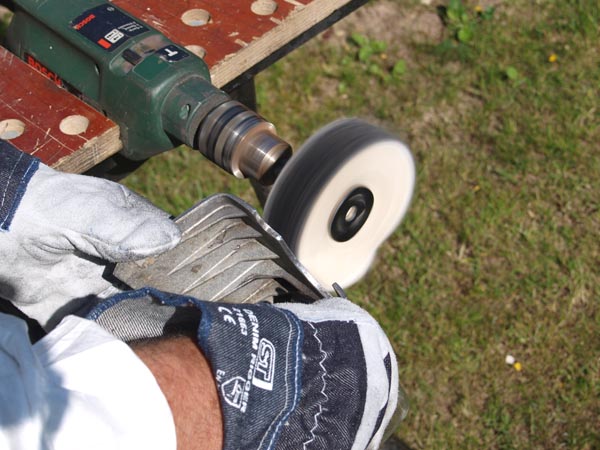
(156, 91)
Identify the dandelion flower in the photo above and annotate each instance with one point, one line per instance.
(553, 58)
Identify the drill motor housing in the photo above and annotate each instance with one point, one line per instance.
(158, 92)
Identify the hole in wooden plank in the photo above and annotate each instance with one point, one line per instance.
(74, 125)
(11, 129)
(196, 50)
(264, 7)
(195, 17)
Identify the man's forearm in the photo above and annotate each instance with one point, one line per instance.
(185, 378)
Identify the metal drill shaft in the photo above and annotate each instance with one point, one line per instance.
(242, 142)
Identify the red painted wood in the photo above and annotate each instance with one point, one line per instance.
(28, 96)
(232, 24)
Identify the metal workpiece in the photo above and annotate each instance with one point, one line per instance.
(243, 143)
(227, 253)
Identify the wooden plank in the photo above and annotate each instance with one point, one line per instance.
(50, 119)
(239, 34)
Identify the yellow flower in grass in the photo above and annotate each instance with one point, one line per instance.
(553, 58)
(479, 9)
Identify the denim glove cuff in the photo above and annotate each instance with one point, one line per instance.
(288, 376)
(16, 170)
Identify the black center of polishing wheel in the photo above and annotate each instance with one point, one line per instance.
(351, 214)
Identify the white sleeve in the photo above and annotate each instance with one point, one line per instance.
(78, 387)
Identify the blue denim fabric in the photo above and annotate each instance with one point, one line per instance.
(255, 353)
(162, 297)
(333, 389)
(16, 169)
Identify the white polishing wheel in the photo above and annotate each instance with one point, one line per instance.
(341, 195)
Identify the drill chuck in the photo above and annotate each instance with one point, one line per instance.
(243, 143)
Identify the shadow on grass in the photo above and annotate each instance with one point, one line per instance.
(395, 444)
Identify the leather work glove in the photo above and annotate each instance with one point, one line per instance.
(59, 231)
(289, 376)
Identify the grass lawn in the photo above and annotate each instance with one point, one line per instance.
(499, 253)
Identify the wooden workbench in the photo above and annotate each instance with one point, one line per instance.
(236, 38)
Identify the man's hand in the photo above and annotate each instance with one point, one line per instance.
(186, 381)
(289, 376)
(59, 231)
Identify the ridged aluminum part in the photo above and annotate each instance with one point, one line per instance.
(227, 253)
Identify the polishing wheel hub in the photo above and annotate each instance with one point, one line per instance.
(351, 214)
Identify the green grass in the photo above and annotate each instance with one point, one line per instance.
(499, 253)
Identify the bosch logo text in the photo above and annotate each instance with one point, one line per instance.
(84, 22)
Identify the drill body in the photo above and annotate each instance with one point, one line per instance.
(158, 92)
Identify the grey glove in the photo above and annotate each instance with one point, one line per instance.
(62, 231)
